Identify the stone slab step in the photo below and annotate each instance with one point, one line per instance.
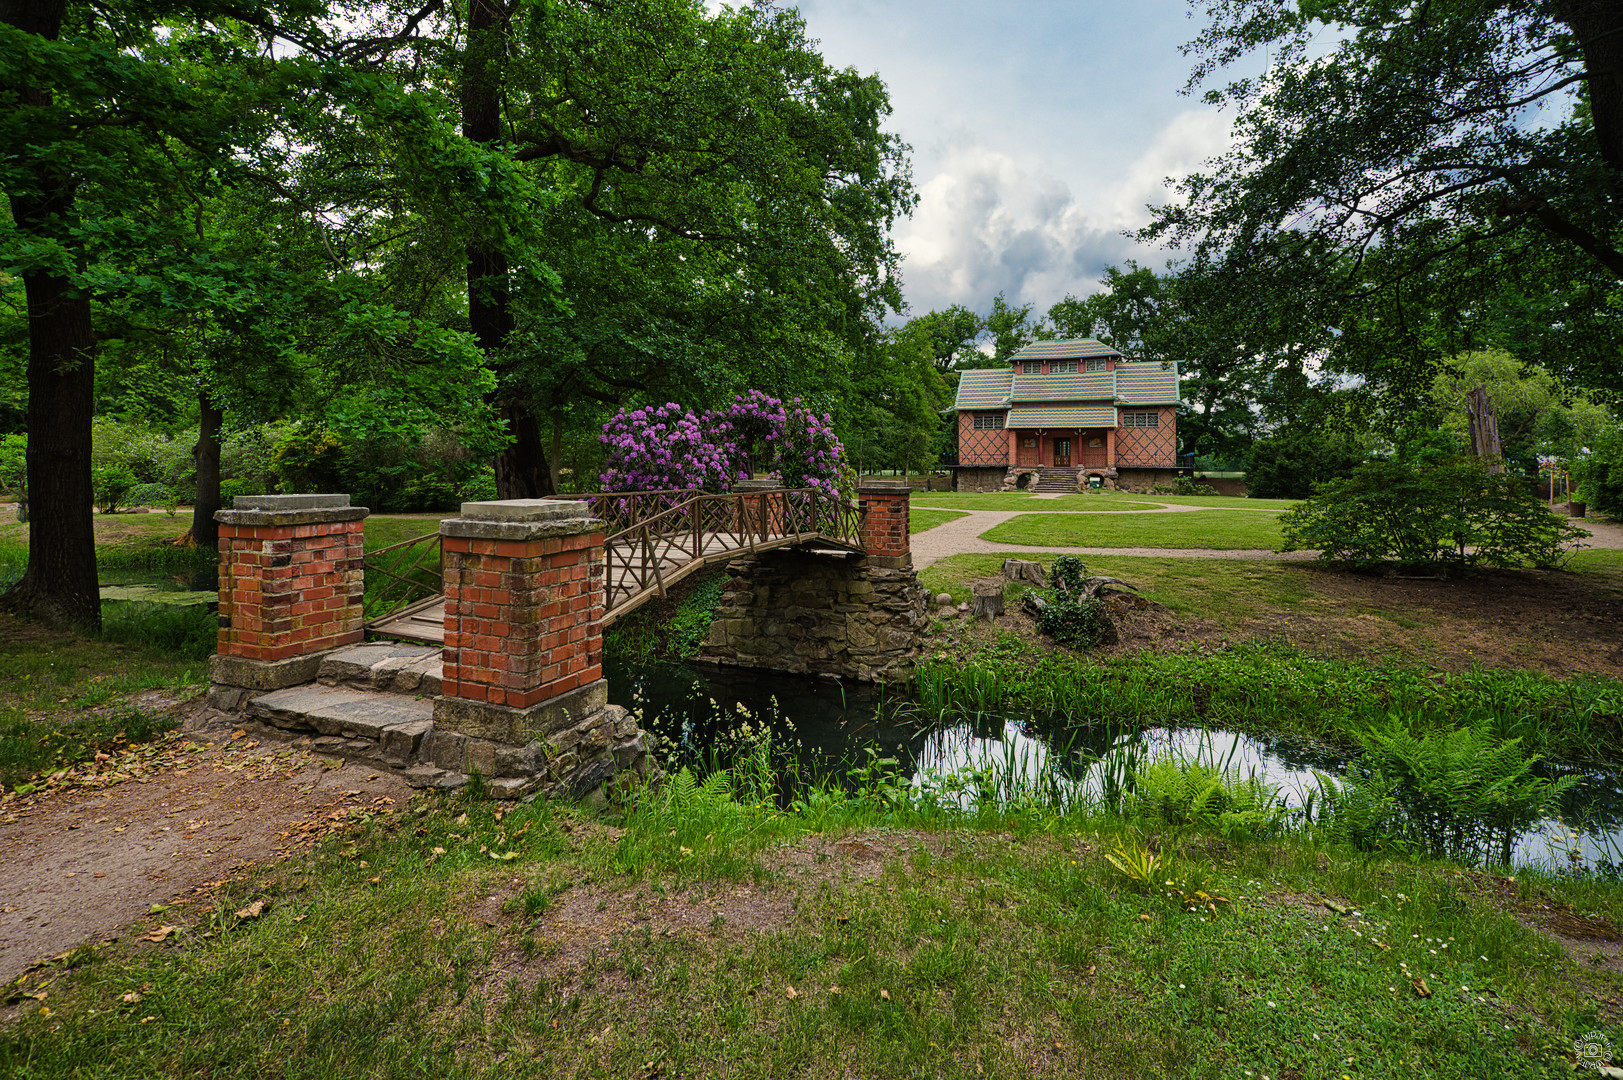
(395, 722)
(384, 665)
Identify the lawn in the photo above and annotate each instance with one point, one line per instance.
(1227, 590)
(711, 936)
(919, 520)
(1093, 500)
(1210, 529)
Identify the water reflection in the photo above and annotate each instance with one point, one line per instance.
(829, 727)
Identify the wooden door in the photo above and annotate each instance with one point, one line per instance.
(1028, 452)
(1062, 453)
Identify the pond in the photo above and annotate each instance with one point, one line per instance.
(178, 587)
(703, 713)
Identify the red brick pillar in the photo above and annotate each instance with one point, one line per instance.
(290, 587)
(523, 617)
(763, 505)
(884, 508)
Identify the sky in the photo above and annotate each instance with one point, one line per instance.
(1039, 132)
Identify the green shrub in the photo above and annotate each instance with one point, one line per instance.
(1292, 463)
(1445, 513)
(148, 495)
(230, 489)
(14, 463)
(1184, 485)
(1599, 475)
(308, 459)
(1178, 793)
(155, 457)
(1459, 794)
(110, 483)
(1072, 616)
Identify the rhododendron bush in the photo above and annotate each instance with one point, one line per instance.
(672, 448)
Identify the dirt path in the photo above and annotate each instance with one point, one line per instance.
(85, 862)
(963, 536)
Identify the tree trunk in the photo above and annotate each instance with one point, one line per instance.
(988, 601)
(1598, 26)
(521, 468)
(1025, 570)
(205, 530)
(556, 459)
(1484, 423)
(59, 586)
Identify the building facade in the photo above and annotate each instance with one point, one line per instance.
(1065, 415)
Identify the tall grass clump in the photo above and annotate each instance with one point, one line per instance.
(1268, 688)
(187, 631)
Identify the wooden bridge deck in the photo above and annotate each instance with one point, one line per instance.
(661, 541)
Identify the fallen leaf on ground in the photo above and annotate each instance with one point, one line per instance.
(131, 998)
(163, 933)
(252, 911)
(790, 993)
(507, 856)
(1421, 988)
(885, 994)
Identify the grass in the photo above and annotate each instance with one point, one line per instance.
(1271, 690)
(919, 520)
(62, 696)
(1093, 500)
(960, 954)
(1228, 590)
(1205, 529)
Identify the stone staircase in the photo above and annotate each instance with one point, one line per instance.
(375, 702)
(1056, 481)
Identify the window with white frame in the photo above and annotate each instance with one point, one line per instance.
(1140, 419)
(1062, 367)
(985, 421)
(1095, 365)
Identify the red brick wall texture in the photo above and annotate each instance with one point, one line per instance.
(884, 524)
(523, 619)
(289, 590)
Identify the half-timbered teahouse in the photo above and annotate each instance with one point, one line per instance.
(1063, 413)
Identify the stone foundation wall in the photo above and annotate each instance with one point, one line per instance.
(986, 479)
(819, 614)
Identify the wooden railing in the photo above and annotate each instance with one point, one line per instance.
(397, 577)
(654, 539)
(654, 547)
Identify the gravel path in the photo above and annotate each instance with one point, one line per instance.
(962, 536)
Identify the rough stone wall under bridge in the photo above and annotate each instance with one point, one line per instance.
(819, 614)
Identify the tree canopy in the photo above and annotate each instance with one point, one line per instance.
(1412, 181)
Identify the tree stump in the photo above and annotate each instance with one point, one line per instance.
(988, 601)
(1025, 570)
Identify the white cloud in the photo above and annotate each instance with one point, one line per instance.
(989, 222)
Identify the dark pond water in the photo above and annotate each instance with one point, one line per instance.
(700, 711)
(161, 587)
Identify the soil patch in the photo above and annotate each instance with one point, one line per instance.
(90, 855)
(1558, 623)
(1553, 622)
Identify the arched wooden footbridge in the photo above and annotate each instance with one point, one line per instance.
(655, 539)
